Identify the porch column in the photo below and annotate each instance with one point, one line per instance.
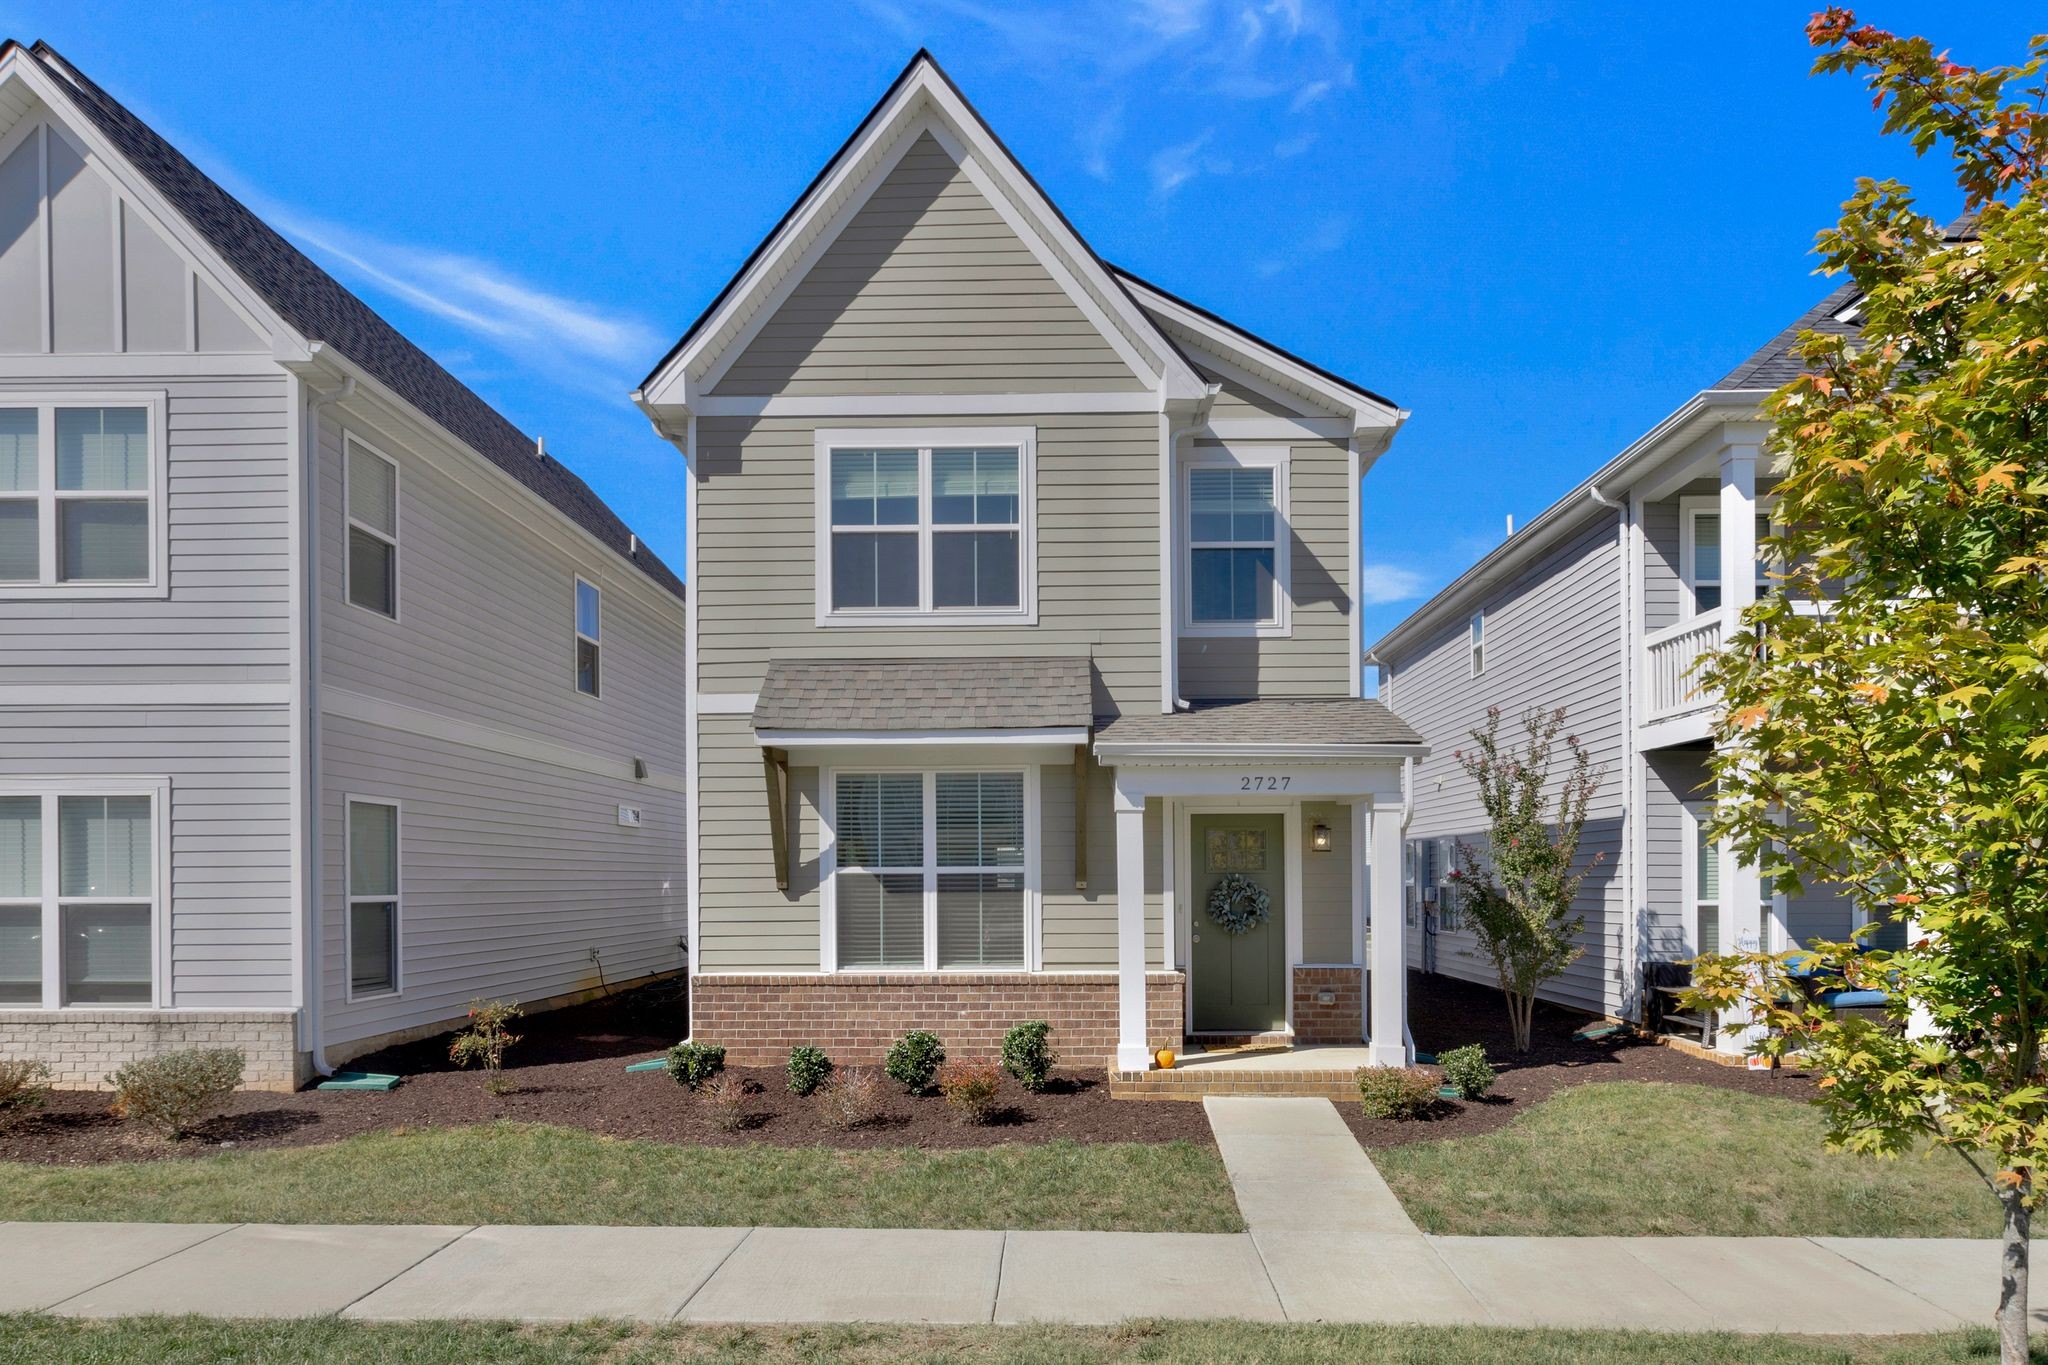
(1388, 963)
(1133, 1050)
(1743, 922)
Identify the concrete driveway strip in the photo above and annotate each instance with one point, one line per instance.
(1786, 1284)
(854, 1275)
(556, 1274)
(1568, 1282)
(46, 1263)
(1106, 1277)
(266, 1271)
(1953, 1273)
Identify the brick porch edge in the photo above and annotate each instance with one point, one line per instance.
(854, 1018)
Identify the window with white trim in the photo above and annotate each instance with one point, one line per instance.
(1702, 554)
(373, 897)
(78, 896)
(372, 530)
(1234, 518)
(589, 625)
(1703, 880)
(81, 507)
(1477, 643)
(925, 528)
(929, 871)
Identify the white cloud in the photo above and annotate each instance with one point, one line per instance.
(1172, 18)
(1309, 94)
(1381, 585)
(1173, 167)
(1329, 234)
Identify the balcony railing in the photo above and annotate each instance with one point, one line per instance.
(1669, 655)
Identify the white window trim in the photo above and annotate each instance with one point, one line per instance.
(348, 441)
(157, 495)
(1475, 642)
(349, 899)
(1690, 509)
(50, 790)
(924, 440)
(828, 868)
(1279, 460)
(577, 636)
(1696, 815)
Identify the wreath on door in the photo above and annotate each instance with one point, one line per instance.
(1238, 904)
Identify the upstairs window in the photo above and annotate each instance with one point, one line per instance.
(1477, 643)
(924, 528)
(80, 502)
(1702, 551)
(1236, 525)
(372, 530)
(589, 612)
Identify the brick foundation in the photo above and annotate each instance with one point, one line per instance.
(1339, 1022)
(81, 1046)
(854, 1018)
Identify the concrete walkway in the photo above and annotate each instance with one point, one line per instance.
(1327, 1242)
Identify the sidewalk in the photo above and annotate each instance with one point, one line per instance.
(1327, 1242)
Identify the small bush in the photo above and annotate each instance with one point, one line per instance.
(1393, 1092)
(808, 1068)
(851, 1099)
(915, 1060)
(971, 1088)
(1466, 1071)
(1028, 1054)
(24, 1088)
(692, 1064)
(485, 1040)
(174, 1091)
(728, 1096)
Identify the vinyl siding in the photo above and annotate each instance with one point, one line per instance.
(1672, 777)
(1553, 638)
(230, 853)
(1326, 887)
(927, 290)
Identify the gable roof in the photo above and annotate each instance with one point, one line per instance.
(321, 309)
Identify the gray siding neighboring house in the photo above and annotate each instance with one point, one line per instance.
(188, 697)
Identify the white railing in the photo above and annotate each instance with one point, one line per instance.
(1670, 687)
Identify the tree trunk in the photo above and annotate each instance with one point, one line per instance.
(2012, 1271)
(1520, 1007)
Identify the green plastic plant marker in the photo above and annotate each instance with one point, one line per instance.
(358, 1080)
(658, 1064)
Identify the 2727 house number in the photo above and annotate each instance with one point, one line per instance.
(1263, 784)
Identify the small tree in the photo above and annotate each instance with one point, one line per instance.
(1518, 896)
(1886, 721)
(486, 1039)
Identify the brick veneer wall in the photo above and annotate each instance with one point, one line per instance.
(81, 1046)
(854, 1018)
(1341, 1022)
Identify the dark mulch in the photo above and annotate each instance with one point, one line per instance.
(569, 1069)
(1444, 1013)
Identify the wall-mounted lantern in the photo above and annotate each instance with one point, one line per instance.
(1319, 837)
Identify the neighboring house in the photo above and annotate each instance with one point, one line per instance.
(1022, 612)
(327, 701)
(1602, 605)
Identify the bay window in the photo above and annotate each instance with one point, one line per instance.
(81, 496)
(79, 892)
(1234, 520)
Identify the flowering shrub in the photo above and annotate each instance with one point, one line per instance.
(485, 1040)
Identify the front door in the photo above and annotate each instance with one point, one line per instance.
(1239, 981)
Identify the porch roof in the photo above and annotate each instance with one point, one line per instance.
(907, 696)
(1336, 727)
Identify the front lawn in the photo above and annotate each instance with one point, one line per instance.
(521, 1173)
(1638, 1159)
(197, 1341)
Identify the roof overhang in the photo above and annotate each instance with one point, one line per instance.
(1213, 755)
(915, 739)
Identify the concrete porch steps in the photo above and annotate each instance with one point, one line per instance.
(1329, 1073)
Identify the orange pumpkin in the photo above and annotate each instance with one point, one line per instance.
(1165, 1058)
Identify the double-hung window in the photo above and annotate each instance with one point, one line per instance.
(1702, 554)
(81, 496)
(930, 871)
(373, 897)
(1703, 880)
(1235, 520)
(589, 625)
(372, 530)
(925, 527)
(1476, 642)
(79, 876)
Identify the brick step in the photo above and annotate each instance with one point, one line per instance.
(1192, 1083)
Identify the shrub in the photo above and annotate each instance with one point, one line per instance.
(24, 1088)
(1393, 1092)
(692, 1064)
(851, 1099)
(728, 1096)
(915, 1060)
(173, 1091)
(971, 1088)
(1028, 1054)
(485, 1040)
(808, 1068)
(1466, 1071)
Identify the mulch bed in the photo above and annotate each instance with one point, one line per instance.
(1444, 1013)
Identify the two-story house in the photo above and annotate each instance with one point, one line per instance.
(1603, 605)
(328, 701)
(1023, 637)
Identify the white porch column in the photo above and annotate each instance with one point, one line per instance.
(1133, 1050)
(1388, 964)
(1744, 926)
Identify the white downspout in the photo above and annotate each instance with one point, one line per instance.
(1631, 924)
(316, 941)
(1169, 552)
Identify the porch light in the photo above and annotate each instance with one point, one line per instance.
(1319, 837)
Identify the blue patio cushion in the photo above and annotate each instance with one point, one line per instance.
(1852, 1000)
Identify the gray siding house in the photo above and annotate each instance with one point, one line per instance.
(327, 700)
(1602, 605)
(1022, 618)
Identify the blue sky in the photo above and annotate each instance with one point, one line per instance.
(1539, 226)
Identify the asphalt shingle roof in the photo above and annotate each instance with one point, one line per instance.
(864, 695)
(1331, 720)
(320, 308)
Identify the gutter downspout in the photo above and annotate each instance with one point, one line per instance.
(316, 941)
(1169, 541)
(1631, 925)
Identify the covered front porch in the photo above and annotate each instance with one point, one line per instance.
(1254, 840)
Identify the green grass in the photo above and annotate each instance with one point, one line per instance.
(516, 1173)
(1632, 1158)
(198, 1341)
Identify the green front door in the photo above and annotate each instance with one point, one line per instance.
(1239, 980)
